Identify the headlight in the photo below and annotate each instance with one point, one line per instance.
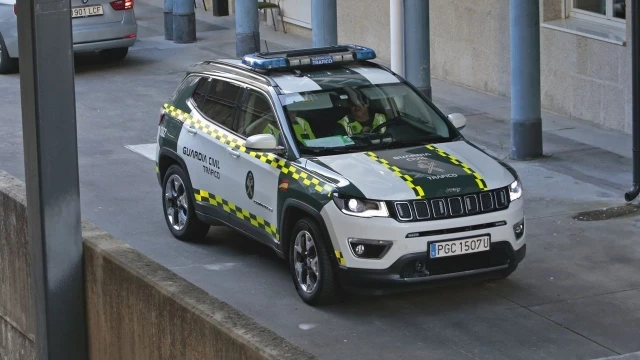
(361, 207)
(515, 190)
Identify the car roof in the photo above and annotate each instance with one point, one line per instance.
(304, 79)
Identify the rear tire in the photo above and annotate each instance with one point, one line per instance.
(114, 54)
(309, 260)
(178, 205)
(8, 65)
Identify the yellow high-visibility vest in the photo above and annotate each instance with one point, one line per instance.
(301, 128)
(354, 127)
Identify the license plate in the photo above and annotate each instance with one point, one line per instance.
(459, 247)
(87, 11)
(321, 60)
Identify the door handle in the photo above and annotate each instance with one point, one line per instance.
(192, 129)
(235, 153)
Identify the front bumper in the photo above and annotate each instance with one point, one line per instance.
(507, 250)
(403, 274)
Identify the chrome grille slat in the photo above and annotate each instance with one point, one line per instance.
(403, 208)
(422, 210)
(455, 206)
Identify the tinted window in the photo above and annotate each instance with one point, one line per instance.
(219, 102)
(256, 116)
(200, 92)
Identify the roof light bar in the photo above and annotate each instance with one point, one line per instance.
(339, 54)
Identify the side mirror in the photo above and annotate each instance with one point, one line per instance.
(263, 143)
(458, 120)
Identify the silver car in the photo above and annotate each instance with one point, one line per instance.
(108, 27)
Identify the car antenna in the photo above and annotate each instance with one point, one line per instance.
(266, 45)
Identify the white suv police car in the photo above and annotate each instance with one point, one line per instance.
(341, 166)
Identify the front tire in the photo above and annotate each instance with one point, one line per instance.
(310, 264)
(8, 65)
(178, 206)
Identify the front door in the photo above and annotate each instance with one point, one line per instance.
(256, 181)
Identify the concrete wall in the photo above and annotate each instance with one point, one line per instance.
(136, 308)
(16, 326)
(583, 77)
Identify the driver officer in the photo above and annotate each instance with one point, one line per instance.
(360, 119)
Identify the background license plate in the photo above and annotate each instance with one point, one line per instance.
(86, 11)
(457, 247)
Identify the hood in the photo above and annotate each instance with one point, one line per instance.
(437, 170)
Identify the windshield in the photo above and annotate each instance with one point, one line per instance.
(362, 118)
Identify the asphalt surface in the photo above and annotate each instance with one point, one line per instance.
(576, 296)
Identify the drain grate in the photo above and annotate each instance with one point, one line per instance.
(608, 213)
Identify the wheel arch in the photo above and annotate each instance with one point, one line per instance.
(167, 158)
(294, 210)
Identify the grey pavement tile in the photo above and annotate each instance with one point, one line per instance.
(567, 259)
(611, 320)
(508, 334)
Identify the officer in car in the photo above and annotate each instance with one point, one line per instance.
(360, 119)
(301, 128)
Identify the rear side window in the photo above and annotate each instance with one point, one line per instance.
(216, 99)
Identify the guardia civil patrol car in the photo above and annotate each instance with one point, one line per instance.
(347, 171)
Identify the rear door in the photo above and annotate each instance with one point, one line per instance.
(213, 104)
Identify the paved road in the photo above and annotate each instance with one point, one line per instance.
(576, 296)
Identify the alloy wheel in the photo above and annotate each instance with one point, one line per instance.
(175, 198)
(306, 261)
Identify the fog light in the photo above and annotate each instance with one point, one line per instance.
(369, 249)
(419, 265)
(518, 229)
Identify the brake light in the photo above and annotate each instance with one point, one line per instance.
(15, 9)
(161, 117)
(122, 4)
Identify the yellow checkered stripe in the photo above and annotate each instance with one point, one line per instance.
(340, 258)
(233, 209)
(479, 180)
(280, 164)
(397, 172)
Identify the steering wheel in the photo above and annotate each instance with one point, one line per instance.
(393, 122)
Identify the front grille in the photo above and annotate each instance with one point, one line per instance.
(452, 206)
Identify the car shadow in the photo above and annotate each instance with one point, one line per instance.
(448, 296)
(91, 62)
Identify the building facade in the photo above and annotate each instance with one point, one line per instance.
(585, 48)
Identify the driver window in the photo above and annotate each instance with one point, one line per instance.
(257, 117)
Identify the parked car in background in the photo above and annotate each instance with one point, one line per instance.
(108, 27)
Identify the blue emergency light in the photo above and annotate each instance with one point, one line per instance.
(338, 54)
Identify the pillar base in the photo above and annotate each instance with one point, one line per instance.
(184, 28)
(526, 139)
(248, 43)
(168, 26)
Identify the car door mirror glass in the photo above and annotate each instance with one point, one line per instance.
(458, 120)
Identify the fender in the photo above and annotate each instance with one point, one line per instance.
(297, 204)
(165, 152)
